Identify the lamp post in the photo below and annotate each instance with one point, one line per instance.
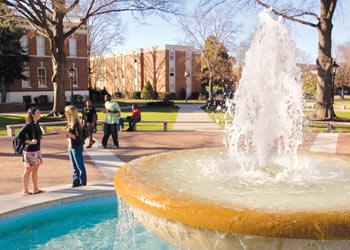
(186, 74)
(335, 67)
(71, 72)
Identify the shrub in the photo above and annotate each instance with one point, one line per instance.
(164, 103)
(147, 91)
(117, 95)
(166, 95)
(203, 96)
(195, 95)
(78, 98)
(27, 99)
(183, 93)
(43, 99)
(97, 95)
(136, 95)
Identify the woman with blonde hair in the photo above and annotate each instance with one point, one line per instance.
(75, 140)
(31, 136)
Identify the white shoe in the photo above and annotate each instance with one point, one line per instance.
(114, 146)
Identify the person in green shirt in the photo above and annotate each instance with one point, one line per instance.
(110, 126)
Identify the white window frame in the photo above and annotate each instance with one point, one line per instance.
(40, 85)
(25, 43)
(40, 46)
(73, 47)
(171, 71)
(26, 72)
(171, 55)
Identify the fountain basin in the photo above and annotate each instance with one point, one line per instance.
(173, 187)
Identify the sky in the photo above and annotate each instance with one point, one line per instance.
(153, 30)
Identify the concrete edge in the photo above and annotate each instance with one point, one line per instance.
(52, 196)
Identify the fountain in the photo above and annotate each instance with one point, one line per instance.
(257, 193)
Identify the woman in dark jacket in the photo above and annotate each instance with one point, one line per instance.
(89, 120)
(76, 140)
(31, 136)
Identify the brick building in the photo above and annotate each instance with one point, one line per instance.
(39, 68)
(169, 68)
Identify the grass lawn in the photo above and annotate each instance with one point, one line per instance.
(337, 101)
(219, 118)
(147, 113)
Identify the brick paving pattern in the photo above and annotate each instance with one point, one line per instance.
(57, 170)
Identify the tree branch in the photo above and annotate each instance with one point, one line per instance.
(293, 17)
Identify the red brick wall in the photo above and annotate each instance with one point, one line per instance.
(34, 62)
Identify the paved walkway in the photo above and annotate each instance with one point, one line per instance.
(101, 164)
(192, 112)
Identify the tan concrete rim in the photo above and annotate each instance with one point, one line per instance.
(318, 225)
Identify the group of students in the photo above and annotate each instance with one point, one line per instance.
(31, 135)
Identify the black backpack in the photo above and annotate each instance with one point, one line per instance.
(18, 143)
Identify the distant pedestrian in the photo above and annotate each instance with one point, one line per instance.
(75, 140)
(31, 136)
(133, 119)
(110, 126)
(89, 120)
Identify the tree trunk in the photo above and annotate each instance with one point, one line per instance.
(3, 91)
(59, 61)
(324, 95)
(59, 71)
(210, 89)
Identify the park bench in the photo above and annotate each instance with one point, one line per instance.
(329, 124)
(43, 125)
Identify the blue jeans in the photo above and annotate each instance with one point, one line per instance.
(131, 122)
(77, 161)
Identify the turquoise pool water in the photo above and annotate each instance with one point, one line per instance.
(85, 224)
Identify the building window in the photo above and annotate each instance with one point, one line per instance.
(172, 71)
(73, 47)
(171, 55)
(24, 43)
(26, 74)
(40, 46)
(42, 77)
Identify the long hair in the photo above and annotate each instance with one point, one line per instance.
(71, 114)
(30, 114)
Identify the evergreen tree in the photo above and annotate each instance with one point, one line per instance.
(216, 63)
(12, 57)
(147, 91)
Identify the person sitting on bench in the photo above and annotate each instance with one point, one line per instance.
(133, 119)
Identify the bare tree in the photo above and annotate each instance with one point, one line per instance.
(50, 18)
(201, 25)
(154, 66)
(105, 33)
(305, 13)
(343, 60)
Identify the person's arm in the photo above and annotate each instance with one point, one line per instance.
(23, 136)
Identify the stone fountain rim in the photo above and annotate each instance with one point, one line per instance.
(317, 225)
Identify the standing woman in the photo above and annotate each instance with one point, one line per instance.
(89, 120)
(31, 136)
(75, 146)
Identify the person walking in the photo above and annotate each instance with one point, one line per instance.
(89, 120)
(31, 136)
(110, 126)
(75, 140)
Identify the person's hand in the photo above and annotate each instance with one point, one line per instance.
(34, 141)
